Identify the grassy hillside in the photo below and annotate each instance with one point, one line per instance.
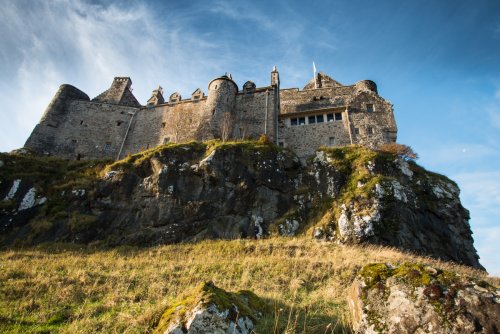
(80, 289)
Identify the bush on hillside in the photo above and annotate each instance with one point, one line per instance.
(404, 151)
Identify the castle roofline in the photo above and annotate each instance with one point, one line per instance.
(223, 77)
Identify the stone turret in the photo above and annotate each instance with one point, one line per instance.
(42, 139)
(221, 100)
(120, 92)
(366, 85)
(275, 77)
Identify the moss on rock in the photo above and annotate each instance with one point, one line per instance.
(247, 304)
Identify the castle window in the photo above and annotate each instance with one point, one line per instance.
(331, 141)
(166, 140)
(329, 117)
(356, 131)
(338, 116)
(369, 130)
(294, 121)
(163, 124)
(107, 146)
(369, 107)
(302, 120)
(118, 123)
(81, 122)
(319, 119)
(311, 119)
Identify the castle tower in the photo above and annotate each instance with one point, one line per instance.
(220, 104)
(366, 85)
(120, 92)
(43, 137)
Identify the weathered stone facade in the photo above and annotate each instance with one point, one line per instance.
(114, 124)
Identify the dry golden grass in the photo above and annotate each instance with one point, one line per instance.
(65, 289)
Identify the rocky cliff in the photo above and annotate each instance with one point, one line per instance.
(193, 191)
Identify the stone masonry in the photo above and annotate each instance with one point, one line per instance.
(114, 124)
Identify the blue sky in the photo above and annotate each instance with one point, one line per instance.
(438, 62)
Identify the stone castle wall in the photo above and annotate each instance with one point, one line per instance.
(251, 110)
(114, 124)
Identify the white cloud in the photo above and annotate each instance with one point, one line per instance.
(86, 45)
(480, 190)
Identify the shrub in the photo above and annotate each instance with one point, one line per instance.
(264, 140)
(404, 151)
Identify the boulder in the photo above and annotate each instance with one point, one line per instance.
(209, 309)
(417, 298)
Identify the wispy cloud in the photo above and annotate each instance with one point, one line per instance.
(86, 44)
(481, 190)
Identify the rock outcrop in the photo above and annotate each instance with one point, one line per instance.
(383, 199)
(414, 298)
(208, 309)
(193, 191)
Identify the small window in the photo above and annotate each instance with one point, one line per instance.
(302, 120)
(118, 123)
(331, 141)
(369, 107)
(329, 117)
(311, 119)
(369, 130)
(166, 140)
(81, 122)
(356, 131)
(281, 144)
(163, 124)
(107, 146)
(319, 119)
(294, 121)
(338, 116)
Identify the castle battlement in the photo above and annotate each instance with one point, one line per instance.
(114, 123)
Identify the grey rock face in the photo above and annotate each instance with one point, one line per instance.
(414, 298)
(190, 192)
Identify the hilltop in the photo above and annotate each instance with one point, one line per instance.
(110, 246)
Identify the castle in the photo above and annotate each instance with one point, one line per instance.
(114, 124)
